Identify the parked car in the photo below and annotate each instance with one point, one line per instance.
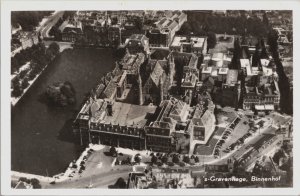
(241, 140)
(232, 146)
(248, 134)
(222, 141)
(226, 150)
(71, 175)
(218, 147)
(224, 137)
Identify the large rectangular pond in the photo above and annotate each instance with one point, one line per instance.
(36, 142)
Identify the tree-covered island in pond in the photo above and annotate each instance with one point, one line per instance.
(60, 94)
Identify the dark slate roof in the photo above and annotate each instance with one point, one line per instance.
(160, 54)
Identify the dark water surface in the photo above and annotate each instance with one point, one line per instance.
(37, 145)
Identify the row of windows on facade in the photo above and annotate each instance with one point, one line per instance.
(158, 140)
(158, 131)
(261, 100)
(119, 138)
(118, 129)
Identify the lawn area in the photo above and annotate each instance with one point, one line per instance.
(206, 149)
(225, 116)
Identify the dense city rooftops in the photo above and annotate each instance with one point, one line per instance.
(167, 24)
(132, 62)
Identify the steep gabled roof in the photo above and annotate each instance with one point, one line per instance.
(156, 74)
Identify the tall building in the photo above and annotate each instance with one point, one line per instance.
(114, 34)
(113, 123)
(71, 31)
(164, 31)
(261, 86)
(137, 43)
(157, 76)
(201, 125)
(160, 134)
(263, 98)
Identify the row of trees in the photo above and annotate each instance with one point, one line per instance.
(39, 57)
(28, 19)
(36, 54)
(160, 159)
(286, 97)
(200, 22)
(33, 181)
(240, 53)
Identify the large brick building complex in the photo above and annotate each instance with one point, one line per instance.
(164, 31)
(160, 134)
(144, 127)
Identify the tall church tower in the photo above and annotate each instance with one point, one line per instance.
(171, 64)
(161, 88)
(141, 100)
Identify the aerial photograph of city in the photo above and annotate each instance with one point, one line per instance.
(151, 99)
